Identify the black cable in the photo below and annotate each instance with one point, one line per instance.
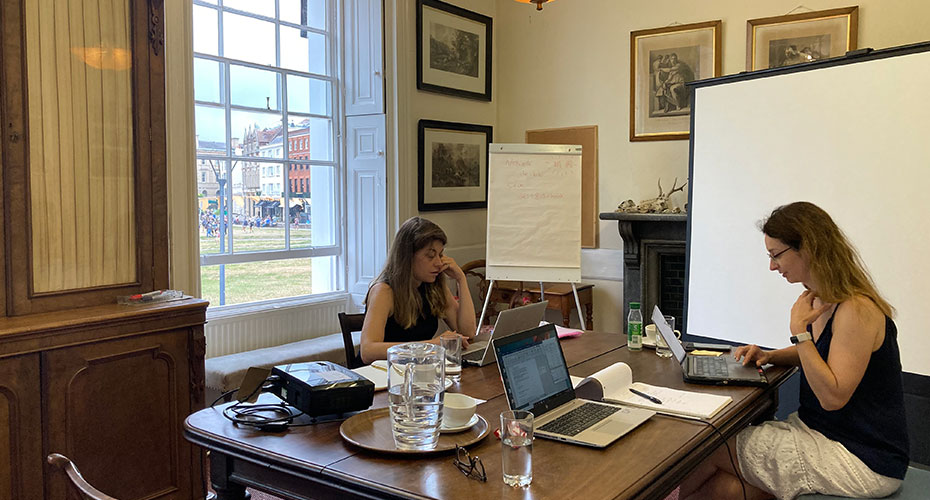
(730, 455)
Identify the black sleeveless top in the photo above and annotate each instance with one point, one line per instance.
(424, 329)
(872, 425)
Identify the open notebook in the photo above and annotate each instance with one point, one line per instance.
(613, 384)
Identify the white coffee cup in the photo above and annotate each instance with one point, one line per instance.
(651, 332)
(457, 409)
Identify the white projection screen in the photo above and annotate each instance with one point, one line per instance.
(853, 138)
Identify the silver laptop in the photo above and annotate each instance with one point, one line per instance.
(518, 319)
(536, 378)
(717, 370)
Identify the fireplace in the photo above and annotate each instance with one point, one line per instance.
(653, 262)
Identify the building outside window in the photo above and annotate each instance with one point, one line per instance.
(264, 88)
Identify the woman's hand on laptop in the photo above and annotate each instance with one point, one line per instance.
(750, 353)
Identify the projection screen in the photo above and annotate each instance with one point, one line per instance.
(851, 136)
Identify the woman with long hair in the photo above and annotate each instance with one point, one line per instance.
(407, 299)
(849, 436)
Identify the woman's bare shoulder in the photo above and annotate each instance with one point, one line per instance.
(861, 310)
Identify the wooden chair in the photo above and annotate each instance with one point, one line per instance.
(80, 485)
(476, 269)
(351, 323)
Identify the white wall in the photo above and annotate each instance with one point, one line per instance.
(407, 105)
(568, 65)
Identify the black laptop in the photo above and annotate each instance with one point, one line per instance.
(716, 370)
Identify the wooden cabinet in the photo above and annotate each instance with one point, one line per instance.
(83, 151)
(20, 428)
(108, 387)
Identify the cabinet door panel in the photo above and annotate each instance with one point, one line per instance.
(116, 409)
(20, 428)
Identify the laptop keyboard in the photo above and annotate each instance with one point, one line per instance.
(709, 366)
(579, 419)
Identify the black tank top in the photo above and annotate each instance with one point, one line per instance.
(424, 329)
(872, 425)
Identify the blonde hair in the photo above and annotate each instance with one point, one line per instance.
(834, 263)
(414, 234)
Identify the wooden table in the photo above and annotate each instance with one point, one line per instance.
(314, 462)
(559, 296)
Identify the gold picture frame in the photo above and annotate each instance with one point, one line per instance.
(773, 42)
(662, 61)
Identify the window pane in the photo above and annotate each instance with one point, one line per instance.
(259, 134)
(321, 139)
(205, 30)
(314, 15)
(244, 206)
(297, 137)
(253, 87)
(323, 205)
(210, 124)
(257, 281)
(212, 210)
(262, 8)
(294, 49)
(308, 95)
(299, 213)
(207, 78)
(248, 39)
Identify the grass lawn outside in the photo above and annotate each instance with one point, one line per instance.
(254, 281)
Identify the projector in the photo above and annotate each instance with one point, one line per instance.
(322, 388)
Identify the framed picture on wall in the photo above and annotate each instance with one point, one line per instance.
(453, 50)
(662, 61)
(774, 42)
(453, 165)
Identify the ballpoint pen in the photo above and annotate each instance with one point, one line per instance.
(647, 396)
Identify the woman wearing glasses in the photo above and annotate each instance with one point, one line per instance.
(849, 436)
(410, 295)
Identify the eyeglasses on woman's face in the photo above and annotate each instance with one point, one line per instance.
(776, 255)
(470, 466)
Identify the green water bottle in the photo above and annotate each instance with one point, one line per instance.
(634, 328)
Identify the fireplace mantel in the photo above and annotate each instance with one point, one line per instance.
(647, 238)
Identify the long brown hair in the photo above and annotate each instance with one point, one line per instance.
(414, 234)
(834, 262)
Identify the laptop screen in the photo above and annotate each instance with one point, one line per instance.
(533, 370)
(666, 332)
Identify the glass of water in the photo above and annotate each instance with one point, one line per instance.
(662, 349)
(452, 343)
(517, 447)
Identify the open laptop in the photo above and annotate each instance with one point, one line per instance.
(518, 319)
(718, 370)
(536, 378)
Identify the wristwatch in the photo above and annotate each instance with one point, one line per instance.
(801, 337)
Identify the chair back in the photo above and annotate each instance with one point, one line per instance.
(351, 323)
(78, 483)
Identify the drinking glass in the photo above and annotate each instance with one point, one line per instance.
(452, 343)
(517, 447)
(416, 376)
(662, 349)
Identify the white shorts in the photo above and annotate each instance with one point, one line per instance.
(788, 458)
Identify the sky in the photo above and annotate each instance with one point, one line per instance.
(253, 40)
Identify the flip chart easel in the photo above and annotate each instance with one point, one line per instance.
(534, 216)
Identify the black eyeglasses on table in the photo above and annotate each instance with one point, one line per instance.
(470, 466)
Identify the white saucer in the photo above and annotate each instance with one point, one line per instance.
(473, 421)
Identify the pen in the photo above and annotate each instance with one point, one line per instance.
(644, 395)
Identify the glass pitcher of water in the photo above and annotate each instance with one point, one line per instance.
(416, 373)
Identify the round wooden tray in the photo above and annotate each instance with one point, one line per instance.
(372, 430)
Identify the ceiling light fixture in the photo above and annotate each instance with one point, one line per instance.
(539, 3)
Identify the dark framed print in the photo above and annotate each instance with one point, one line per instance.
(453, 50)
(774, 42)
(662, 61)
(453, 165)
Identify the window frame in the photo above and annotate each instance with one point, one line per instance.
(334, 34)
